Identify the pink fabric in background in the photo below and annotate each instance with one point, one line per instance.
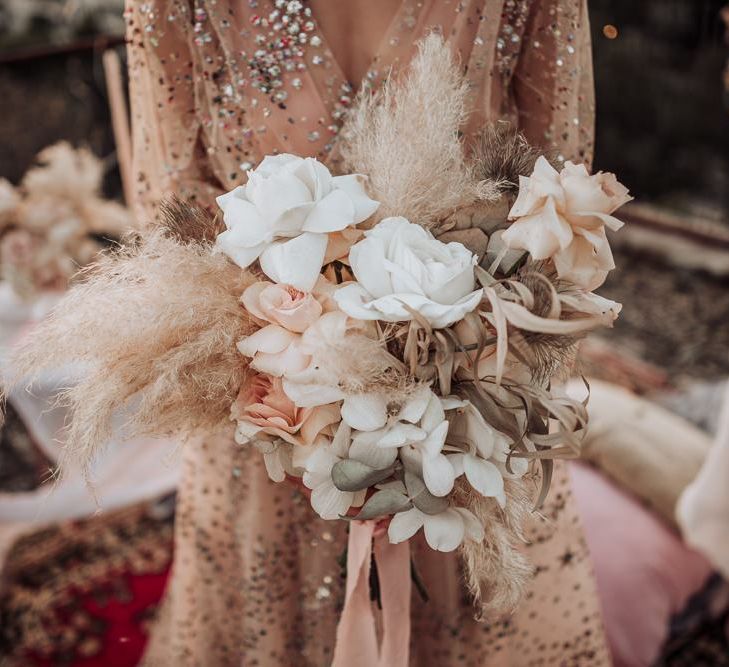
(645, 573)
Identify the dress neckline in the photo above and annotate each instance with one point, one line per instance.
(384, 40)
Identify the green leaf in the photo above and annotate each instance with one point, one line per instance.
(423, 499)
(383, 503)
(351, 475)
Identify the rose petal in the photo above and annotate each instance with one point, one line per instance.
(271, 340)
(587, 260)
(542, 233)
(292, 309)
(274, 466)
(306, 392)
(291, 360)
(582, 191)
(353, 186)
(244, 222)
(281, 199)
(331, 214)
(366, 259)
(251, 299)
(407, 274)
(457, 287)
(245, 431)
(315, 176)
(238, 192)
(273, 163)
(227, 244)
(317, 420)
(296, 262)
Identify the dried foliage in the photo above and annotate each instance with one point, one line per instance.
(500, 154)
(187, 223)
(155, 325)
(497, 572)
(405, 137)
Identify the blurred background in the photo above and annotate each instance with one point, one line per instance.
(662, 83)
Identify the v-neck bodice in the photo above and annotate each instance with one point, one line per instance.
(218, 85)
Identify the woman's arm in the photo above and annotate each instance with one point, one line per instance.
(553, 84)
(168, 152)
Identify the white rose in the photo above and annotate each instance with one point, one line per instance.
(400, 265)
(295, 199)
(563, 215)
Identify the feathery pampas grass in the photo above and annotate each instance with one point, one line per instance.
(497, 573)
(405, 137)
(171, 357)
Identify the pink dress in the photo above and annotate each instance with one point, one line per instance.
(216, 86)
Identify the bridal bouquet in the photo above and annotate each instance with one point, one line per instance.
(384, 330)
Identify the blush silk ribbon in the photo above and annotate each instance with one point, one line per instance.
(357, 643)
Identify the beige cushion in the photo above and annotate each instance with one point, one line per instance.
(647, 450)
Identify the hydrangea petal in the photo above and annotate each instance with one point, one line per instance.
(404, 525)
(439, 475)
(329, 502)
(444, 531)
(483, 476)
(365, 412)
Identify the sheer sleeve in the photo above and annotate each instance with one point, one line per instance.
(552, 81)
(168, 151)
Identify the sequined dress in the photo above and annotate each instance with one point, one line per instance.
(217, 84)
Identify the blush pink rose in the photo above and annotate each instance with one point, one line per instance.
(276, 349)
(284, 305)
(262, 407)
(562, 216)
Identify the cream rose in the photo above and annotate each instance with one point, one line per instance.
(276, 349)
(284, 214)
(401, 266)
(562, 216)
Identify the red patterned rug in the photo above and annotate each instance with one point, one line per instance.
(84, 593)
